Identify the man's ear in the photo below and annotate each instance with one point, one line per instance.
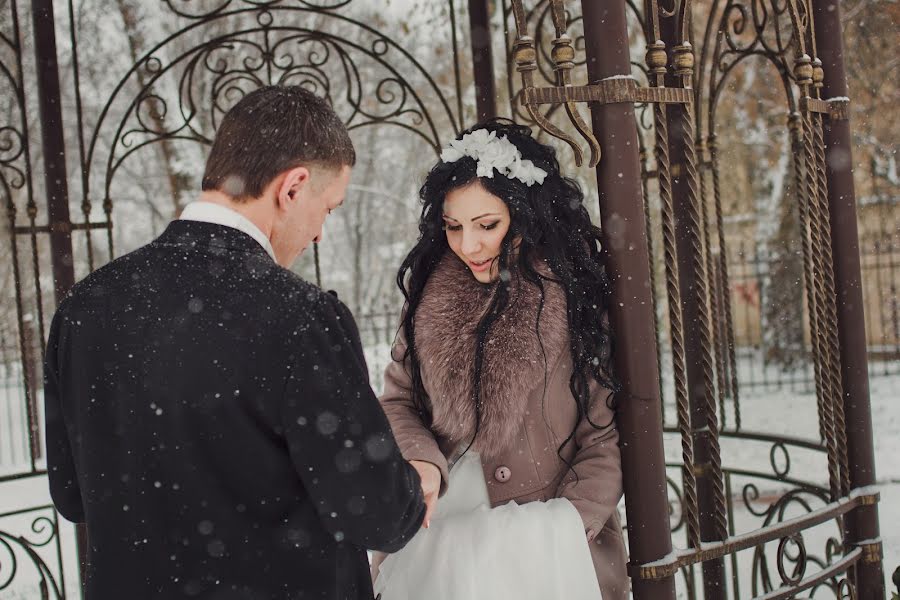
(293, 182)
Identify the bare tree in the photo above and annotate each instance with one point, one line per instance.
(179, 182)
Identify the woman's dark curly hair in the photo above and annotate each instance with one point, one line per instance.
(548, 221)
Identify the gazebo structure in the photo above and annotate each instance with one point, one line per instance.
(647, 123)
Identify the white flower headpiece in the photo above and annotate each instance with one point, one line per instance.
(491, 152)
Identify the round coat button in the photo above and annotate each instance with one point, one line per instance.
(502, 474)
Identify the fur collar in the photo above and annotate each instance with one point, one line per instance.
(516, 360)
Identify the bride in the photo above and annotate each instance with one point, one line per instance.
(500, 389)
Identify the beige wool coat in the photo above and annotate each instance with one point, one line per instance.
(528, 410)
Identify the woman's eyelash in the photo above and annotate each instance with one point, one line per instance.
(448, 227)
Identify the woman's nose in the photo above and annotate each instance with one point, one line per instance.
(470, 244)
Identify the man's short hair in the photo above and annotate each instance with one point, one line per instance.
(271, 130)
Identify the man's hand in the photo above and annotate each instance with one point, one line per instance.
(431, 485)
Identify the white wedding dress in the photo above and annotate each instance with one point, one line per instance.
(536, 551)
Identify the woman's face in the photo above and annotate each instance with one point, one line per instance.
(476, 222)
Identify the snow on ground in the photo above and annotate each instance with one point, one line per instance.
(780, 413)
(885, 393)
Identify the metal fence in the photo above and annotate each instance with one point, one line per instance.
(771, 328)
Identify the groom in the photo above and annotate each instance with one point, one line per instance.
(208, 412)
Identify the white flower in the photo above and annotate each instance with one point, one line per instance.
(499, 154)
(490, 153)
(527, 173)
(451, 154)
(484, 169)
(519, 171)
(478, 139)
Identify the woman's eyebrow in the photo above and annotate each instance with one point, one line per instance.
(485, 215)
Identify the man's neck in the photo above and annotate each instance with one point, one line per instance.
(258, 211)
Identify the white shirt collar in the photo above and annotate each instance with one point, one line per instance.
(210, 212)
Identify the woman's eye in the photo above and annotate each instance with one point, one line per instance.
(491, 226)
(448, 227)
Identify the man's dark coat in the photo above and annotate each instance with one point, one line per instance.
(209, 418)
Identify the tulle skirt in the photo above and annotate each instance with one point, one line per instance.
(534, 551)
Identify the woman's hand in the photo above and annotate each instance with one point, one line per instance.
(431, 485)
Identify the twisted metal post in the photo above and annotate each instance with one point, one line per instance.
(684, 62)
(656, 61)
(804, 73)
(827, 380)
(834, 362)
(795, 125)
(824, 222)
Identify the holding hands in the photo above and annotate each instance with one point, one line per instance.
(431, 486)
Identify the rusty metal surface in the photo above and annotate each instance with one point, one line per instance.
(837, 109)
(608, 91)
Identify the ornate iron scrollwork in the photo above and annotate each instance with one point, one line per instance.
(798, 560)
(563, 56)
(769, 498)
(213, 75)
(12, 147)
(18, 551)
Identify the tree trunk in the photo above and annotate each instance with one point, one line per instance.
(178, 181)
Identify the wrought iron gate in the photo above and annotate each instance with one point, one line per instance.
(693, 48)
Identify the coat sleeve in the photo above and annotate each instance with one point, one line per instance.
(340, 441)
(416, 440)
(597, 489)
(61, 472)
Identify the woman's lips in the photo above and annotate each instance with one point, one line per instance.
(480, 267)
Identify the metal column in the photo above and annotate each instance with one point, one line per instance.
(55, 181)
(482, 59)
(862, 523)
(628, 263)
